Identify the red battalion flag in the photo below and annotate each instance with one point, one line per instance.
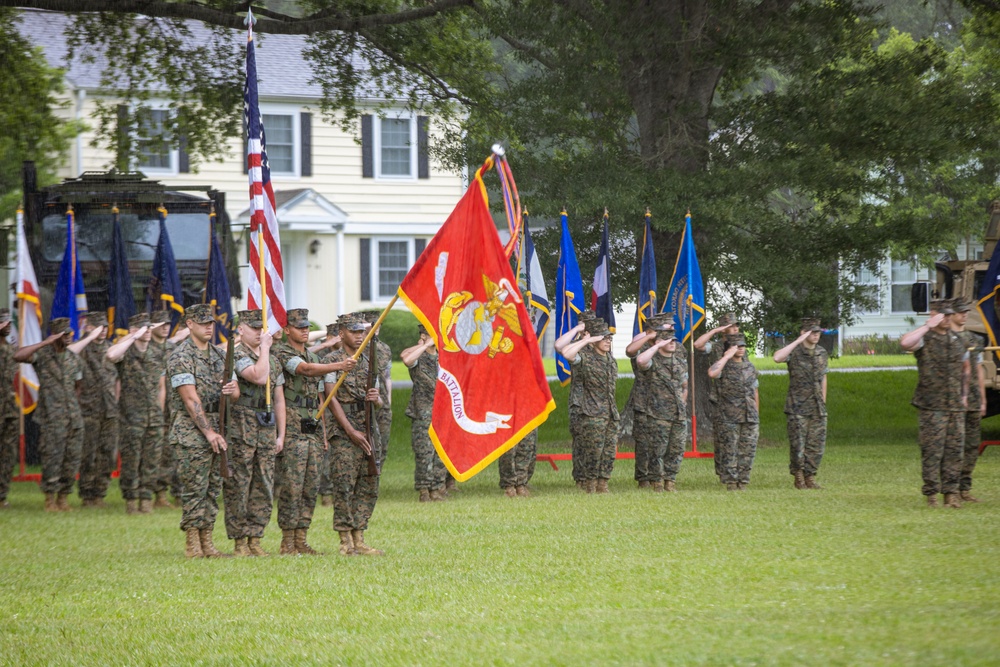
(492, 389)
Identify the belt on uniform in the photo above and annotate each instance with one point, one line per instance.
(252, 403)
(302, 402)
(352, 408)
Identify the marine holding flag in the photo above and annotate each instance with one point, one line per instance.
(493, 389)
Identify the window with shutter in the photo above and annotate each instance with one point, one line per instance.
(366, 269)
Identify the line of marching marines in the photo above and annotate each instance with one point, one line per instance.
(156, 402)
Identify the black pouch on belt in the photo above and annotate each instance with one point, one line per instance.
(309, 425)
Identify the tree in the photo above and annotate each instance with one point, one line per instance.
(29, 105)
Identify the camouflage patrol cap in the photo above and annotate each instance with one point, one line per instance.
(252, 318)
(586, 316)
(666, 334)
(728, 320)
(160, 317)
(59, 325)
(422, 330)
(811, 324)
(4, 315)
(737, 340)
(371, 316)
(597, 327)
(96, 318)
(139, 320)
(942, 306)
(352, 322)
(660, 322)
(199, 313)
(961, 305)
(298, 318)
(332, 329)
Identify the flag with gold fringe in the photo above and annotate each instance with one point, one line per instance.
(492, 390)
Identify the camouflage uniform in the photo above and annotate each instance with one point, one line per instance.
(9, 424)
(938, 397)
(593, 414)
(142, 428)
(249, 492)
(714, 350)
(383, 358)
(661, 416)
(805, 409)
(429, 471)
(325, 487)
(973, 415)
(355, 492)
(167, 478)
(517, 464)
(59, 415)
(198, 465)
(99, 406)
(738, 421)
(297, 466)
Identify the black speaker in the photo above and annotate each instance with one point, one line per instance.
(920, 297)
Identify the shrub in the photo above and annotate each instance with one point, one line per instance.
(399, 331)
(872, 344)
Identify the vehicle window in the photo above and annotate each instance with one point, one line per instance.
(189, 236)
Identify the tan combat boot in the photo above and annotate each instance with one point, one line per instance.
(361, 548)
(425, 495)
(131, 506)
(644, 485)
(98, 503)
(439, 495)
(932, 501)
(326, 501)
(968, 497)
(50, 502)
(657, 487)
(741, 486)
(450, 485)
(62, 503)
(732, 486)
(671, 486)
(582, 485)
(346, 543)
(590, 486)
(602, 486)
(301, 546)
(523, 491)
(952, 500)
(510, 492)
(255, 549)
(240, 549)
(811, 482)
(146, 506)
(800, 480)
(162, 502)
(208, 547)
(287, 543)
(86, 502)
(192, 544)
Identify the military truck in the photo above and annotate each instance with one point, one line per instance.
(954, 278)
(93, 195)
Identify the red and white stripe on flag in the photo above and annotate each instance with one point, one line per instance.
(30, 318)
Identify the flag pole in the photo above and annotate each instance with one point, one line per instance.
(263, 306)
(356, 356)
(21, 445)
(694, 415)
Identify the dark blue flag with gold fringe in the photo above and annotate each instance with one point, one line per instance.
(685, 296)
(568, 296)
(217, 288)
(165, 283)
(70, 298)
(987, 302)
(121, 302)
(646, 303)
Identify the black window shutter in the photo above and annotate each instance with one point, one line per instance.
(183, 159)
(423, 161)
(243, 148)
(418, 247)
(305, 137)
(367, 148)
(124, 138)
(366, 269)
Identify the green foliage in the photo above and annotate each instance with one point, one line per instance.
(399, 331)
(872, 344)
(30, 110)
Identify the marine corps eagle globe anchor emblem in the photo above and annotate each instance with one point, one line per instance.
(470, 326)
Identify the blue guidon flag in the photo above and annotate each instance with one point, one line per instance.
(217, 288)
(534, 282)
(685, 297)
(70, 297)
(165, 283)
(987, 302)
(646, 300)
(600, 301)
(568, 296)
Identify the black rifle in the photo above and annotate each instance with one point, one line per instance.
(224, 467)
(370, 407)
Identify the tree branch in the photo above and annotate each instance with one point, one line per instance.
(269, 21)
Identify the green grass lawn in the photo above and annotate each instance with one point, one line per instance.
(860, 573)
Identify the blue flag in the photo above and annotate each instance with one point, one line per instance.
(686, 296)
(646, 303)
(121, 303)
(534, 283)
(70, 298)
(165, 283)
(217, 289)
(987, 304)
(601, 297)
(568, 296)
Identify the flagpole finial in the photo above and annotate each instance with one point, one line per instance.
(647, 212)
(605, 211)
(250, 19)
(498, 150)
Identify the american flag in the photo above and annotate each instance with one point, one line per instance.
(263, 221)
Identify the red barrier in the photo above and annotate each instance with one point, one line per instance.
(987, 443)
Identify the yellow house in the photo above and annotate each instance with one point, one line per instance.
(354, 210)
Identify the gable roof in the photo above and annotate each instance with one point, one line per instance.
(282, 69)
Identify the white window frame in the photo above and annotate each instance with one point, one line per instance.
(296, 114)
(919, 274)
(376, 267)
(877, 274)
(377, 145)
(174, 168)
